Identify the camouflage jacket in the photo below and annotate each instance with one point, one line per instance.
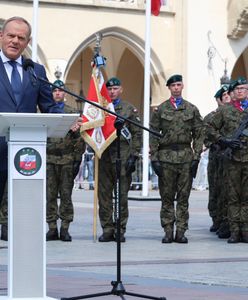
(223, 124)
(181, 130)
(130, 146)
(214, 148)
(65, 150)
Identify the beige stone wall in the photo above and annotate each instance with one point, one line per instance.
(179, 44)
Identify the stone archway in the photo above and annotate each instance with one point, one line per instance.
(125, 54)
(241, 66)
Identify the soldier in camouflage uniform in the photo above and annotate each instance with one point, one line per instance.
(220, 129)
(63, 160)
(175, 157)
(130, 145)
(215, 172)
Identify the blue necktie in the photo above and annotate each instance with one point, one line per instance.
(244, 104)
(16, 82)
(116, 102)
(178, 101)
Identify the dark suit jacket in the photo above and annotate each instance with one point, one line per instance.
(33, 96)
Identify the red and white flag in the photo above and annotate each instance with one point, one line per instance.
(98, 126)
(156, 5)
(27, 162)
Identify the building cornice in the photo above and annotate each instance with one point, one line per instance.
(237, 19)
(136, 6)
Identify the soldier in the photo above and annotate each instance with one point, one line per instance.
(63, 162)
(221, 129)
(130, 141)
(175, 157)
(215, 169)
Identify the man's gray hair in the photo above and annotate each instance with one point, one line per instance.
(19, 19)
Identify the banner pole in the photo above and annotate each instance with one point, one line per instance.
(95, 207)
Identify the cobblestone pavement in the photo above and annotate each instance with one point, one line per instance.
(205, 268)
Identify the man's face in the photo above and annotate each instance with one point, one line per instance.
(14, 39)
(58, 95)
(176, 89)
(114, 92)
(240, 92)
(226, 98)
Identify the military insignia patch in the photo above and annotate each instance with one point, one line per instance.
(27, 161)
(93, 112)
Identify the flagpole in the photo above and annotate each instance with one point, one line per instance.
(34, 29)
(146, 113)
(95, 207)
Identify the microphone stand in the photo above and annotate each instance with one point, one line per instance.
(118, 287)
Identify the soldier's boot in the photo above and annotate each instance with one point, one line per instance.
(224, 231)
(234, 238)
(168, 237)
(64, 232)
(244, 237)
(215, 226)
(107, 237)
(52, 234)
(122, 237)
(4, 232)
(180, 237)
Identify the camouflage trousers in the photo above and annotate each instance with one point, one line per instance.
(60, 182)
(174, 187)
(106, 187)
(222, 192)
(4, 203)
(237, 191)
(212, 186)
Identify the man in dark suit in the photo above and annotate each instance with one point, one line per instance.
(17, 92)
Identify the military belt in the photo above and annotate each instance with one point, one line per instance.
(174, 147)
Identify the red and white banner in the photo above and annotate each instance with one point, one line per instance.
(98, 126)
(156, 6)
(27, 162)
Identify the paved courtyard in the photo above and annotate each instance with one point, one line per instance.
(205, 268)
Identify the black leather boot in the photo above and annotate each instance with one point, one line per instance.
(168, 237)
(234, 238)
(52, 234)
(106, 237)
(180, 237)
(64, 235)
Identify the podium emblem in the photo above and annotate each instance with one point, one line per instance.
(27, 161)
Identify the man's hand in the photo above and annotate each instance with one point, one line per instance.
(194, 167)
(157, 168)
(130, 164)
(231, 143)
(77, 124)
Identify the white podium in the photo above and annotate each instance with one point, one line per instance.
(27, 135)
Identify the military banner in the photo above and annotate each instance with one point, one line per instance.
(98, 126)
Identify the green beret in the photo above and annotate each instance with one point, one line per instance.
(239, 81)
(174, 78)
(217, 94)
(58, 83)
(232, 83)
(113, 81)
(221, 91)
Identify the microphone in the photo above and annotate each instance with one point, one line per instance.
(28, 65)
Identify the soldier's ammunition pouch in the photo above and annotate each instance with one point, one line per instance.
(174, 147)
